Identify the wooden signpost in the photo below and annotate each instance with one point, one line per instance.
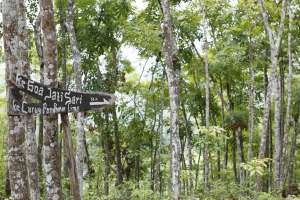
(55, 100)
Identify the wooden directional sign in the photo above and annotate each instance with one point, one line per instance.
(55, 100)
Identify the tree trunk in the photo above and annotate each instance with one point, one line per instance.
(29, 120)
(289, 101)
(277, 124)
(251, 103)
(32, 158)
(223, 126)
(234, 146)
(118, 148)
(173, 72)
(80, 116)
(39, 49)
(72, 164)
(16, 127)
(137, 170)
(275, 41)
(205, 47)
(51, 146)
(158, 183)
(63, 65)
(292, 155)
(105, 142)
(189, 149)
(238, 139)
(197, 169)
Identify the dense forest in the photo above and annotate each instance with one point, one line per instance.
(200, 99)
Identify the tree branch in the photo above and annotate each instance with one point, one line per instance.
(266, 22)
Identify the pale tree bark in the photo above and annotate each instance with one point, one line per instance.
(29, 120)
(80, 150)
(173, 73)
(288, 119)
(251, 103)
(70, 161)
(275, 41)
(205, 48)
(16, 127)
(50, 138)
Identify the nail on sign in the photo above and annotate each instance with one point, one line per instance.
(55, 100)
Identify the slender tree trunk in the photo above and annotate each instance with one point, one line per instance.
(80, 116)
(223, 126)
(32, 158)
(63, 65)
(113, 76)
(238, 139)
(292, 154)
(206, 152)
(289, 101)
(197, 169)
(50, 143)
(189, 148)
(16, 127)
(270, 181)
(29, 120)
(39, 49)
(72, 164)
(106, 156)
(226, 156)
(266, 124)
(173, 72)
(278, 138)
(118, 148)
(234, 161)
(137, 170)
(158, 183)
(275, 41)
(251, 104)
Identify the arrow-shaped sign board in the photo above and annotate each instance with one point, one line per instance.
(55, 100)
